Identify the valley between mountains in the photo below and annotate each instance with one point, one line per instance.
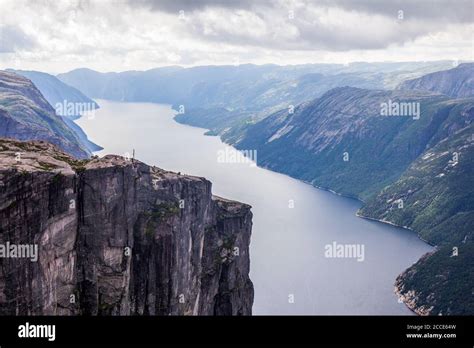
(320, 123)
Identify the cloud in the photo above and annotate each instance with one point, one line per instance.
(441, 10)
(124, 34)
(459, 11)
(13, 38)
(337, 25)
(174, 6)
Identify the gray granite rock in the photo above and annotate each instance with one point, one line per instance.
(118, 237)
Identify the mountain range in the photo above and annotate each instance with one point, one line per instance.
(231, 96)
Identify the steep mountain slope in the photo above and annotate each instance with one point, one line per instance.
(26, 115)
(342, 141)
(436, 191)
(54, 90)
(437, 195)
(457, 82)
(57, 92)
(411, 171)
(118, 237)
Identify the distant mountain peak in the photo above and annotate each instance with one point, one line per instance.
(457, 82)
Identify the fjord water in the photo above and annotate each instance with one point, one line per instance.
(292, 221)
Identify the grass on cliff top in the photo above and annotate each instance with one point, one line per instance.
(77, 165)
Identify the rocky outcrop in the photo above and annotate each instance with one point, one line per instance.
(118, 237)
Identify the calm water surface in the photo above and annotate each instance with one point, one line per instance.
(290, 273)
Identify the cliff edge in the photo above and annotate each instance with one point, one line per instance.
(115, 236)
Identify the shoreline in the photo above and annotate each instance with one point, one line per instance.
(395, 225)
(400, 296)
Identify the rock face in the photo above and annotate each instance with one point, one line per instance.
(118, 237)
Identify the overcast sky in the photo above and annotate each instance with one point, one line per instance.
(57, 36)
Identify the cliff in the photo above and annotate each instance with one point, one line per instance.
(118, 237)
